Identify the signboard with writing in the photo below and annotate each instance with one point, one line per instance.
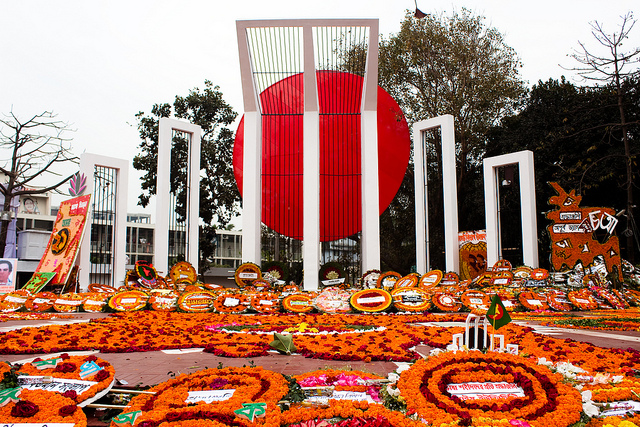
(209, 396)
(341, 395)
(488, 390)
(580, 234)
(61, 252)
(54, 384)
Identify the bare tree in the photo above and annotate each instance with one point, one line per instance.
(30, 149)
(612, 67)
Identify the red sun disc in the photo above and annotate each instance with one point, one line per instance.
(339, 96)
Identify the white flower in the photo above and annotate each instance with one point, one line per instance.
(617, 379)
(452, 347)
(393, 377)
(403, 367)
(590, 409)
(393, 391)
(436, 351)
(586, 396)
(545, 362)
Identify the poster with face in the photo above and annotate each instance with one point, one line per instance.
(68, 230)
(7, 275)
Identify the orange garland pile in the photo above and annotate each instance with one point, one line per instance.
(547, 402)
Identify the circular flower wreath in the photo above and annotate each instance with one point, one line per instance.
(547, 401)
(558, 300)
(446, 302)
(583, 299)
(168, 403)
(69, 368)
(40, 406)
(331, 271)
(533, 301)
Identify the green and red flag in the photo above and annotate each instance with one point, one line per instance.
(497, 314)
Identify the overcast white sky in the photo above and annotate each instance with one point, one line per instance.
(97, 63)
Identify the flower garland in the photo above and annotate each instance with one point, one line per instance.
(533, 301)
(369, 279)
(163, 299)
(71, 367)
(387, 280)
(558, 301)
(42, 301)
(198, 301)
(342, 380)
(169, 401)
(297, 303)
(232, 302)
(355, 414)
(547, 402)
(475, 299)
(265, 302)
(246, 273)
(583, 299)
(371, 300)
(69, 302)
(333, 300)
(446, 302)
(14, 301)
(128, 301)
(95, 302)
(39, 406)
(411, 299)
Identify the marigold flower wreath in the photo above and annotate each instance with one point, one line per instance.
(196, 301)
(128, 301)
(547, 402)
(371, 300)
(369, 279)
(15, 300)
(298, 303)
(387, 280)
(558, 300)
(474, 299)
(42, 301)
(232, 302)
(265, 302)
(168, 404)
(610, 297)
(247, 273)
(533, 301)
(70, 368)
(163, 299)
(40, 407)
(411, 299)
(446, 301)
(95, 302)
(583, 299)
(69, 302)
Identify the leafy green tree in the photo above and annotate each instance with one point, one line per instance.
(219, 196)
(572, 133)
(455, 65)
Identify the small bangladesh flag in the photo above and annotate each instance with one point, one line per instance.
(497, 314)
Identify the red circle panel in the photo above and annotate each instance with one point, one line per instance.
(339, 96)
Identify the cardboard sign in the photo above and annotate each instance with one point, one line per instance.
(63, 246)
(208, 396)
(474, 391)
(38, 281)
(54, 384)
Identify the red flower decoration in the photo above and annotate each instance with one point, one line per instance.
(24, 409)
(67, 410)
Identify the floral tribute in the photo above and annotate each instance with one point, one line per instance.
(40, 406)
(547, 400)
(342, 380)
(172, 402)
(349, 414)
(87, 368)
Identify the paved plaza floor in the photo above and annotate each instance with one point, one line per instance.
(141, 369)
